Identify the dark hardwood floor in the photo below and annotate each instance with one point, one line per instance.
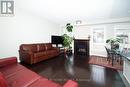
(62, 68)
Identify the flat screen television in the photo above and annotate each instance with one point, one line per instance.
(56, 39)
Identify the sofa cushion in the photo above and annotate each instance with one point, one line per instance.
(29, 47)
(51, 52)
(41, 47)
(44, 83)
(48, 46)
(11, 69)
(39, 54)
(2, 80)
(22, 78)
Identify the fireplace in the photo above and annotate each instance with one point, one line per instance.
(81, 47)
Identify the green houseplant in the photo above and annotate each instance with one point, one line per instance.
(114, 42)
(67, 39)
(69, 27)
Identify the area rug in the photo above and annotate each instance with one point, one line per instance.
(102, 61)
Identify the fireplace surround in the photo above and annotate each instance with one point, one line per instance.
(81, 47)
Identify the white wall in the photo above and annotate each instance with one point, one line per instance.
(23, 28)
(110, 26)
(98, 48)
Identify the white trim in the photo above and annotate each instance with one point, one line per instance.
(102, 23)
(98, 55)
(126, 78)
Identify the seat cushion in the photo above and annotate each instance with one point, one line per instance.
(22, 78)
(2, 80)
(44, 83)
(51, 52)
(11, 69)
(39, 54)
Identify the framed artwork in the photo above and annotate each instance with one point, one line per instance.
(98, 35)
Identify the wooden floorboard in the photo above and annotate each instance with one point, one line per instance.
(62, 68)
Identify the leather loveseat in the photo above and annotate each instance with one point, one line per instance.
(12, 74)
(33, 53)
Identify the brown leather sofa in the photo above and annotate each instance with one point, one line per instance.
(33, 53)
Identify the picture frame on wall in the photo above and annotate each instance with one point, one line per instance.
(98, 35)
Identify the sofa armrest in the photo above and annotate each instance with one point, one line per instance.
(71, 83)
(26, 56)
(26, 51)
(7, 61)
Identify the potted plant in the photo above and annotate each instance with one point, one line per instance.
(67, 38)
(114, 42)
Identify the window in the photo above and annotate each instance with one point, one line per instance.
(124, 35)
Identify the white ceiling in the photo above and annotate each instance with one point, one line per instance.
(63, 11)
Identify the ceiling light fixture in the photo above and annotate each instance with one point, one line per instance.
(78, 21)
